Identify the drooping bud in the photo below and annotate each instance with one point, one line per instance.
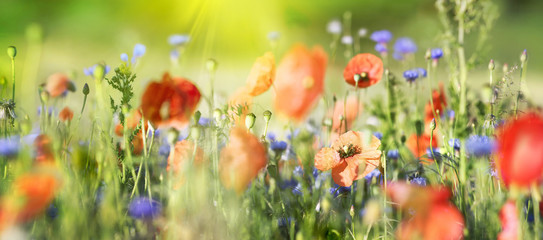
(12, 52)
(86, 89)
(250, 120)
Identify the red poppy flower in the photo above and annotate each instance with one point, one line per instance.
(432, 215)
(57, 84)
(368, 66)
(440, 103)
(520, 150)
(241, 160)
(350, 114)
(66, 114)
(32, 193)
(347, 156)
(44, 149)
(183, 152)
(510, 222)
(299, 81)
(419, 144)
(171, 102)
(240, 105)
(262, 75)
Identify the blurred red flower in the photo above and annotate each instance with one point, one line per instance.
(419, 144)
(171, 102)
(262, 75)
(184, 151)
(57, 84)
(348, 158)
(241, 160)
(66, 114)
(44, 149)
(520, 150)
(429, 213)
(350, 114)
(299, 81)
(510, 222)
(368, 66)
(440, 103)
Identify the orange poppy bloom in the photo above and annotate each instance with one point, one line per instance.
(350, 114)
(171, 102)
(299, 81)
(510, 222)
(262, 75)
(520, 151)
(346, 157)
(434, 216)
(32, 193)
(57, 84)
(366, 65)
(241, 160)
(182, 152)
(419, 144)
(132, 122)
(239, 105)
(44, 149)
(66, 114)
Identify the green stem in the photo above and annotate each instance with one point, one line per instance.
(462, 58)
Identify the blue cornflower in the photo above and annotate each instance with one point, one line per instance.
(393, 154)
(338, 190)
(422, 72)
(378, 135)
(410, 75)
(124, 57)
(433, 153)
(436, 53)
(52, 211)
(278, 146)
(373, 174)
(451, 114)
(203, 121)
(480, 145)
(284, 222)
(405, 45)
(381, 48)
(294, 134)
(139, 50)
(455, 143)
(382, 36)
(164, 150)
(419, 181)
(144, 208)
(271, 136)
(178, 39)
(9, 147)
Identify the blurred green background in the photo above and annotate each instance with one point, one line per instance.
(68, 35)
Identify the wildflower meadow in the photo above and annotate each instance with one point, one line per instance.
(355, 130)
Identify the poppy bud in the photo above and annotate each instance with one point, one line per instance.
(524, 56)
(86, 89)
(197, 116)
(44, 96)
(428, 54)
(403, 138)
(12, 52)
(3, 81)
(211, 65)
(327, 122)
(217, 114)
(71, 86)
(172, 136)
(433, 124)
(250, 120)
(357, 78)
(195, 133)
(491, 65)
(267, 115)
(505, 68)
(418, 127)
(99, 72)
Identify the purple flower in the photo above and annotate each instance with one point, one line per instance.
(9, 147)
(278, 146)
(480, 146)
(419, 181)
(144, 208)
(90, 70)
(139, 51)
(410, 75)
(347, 40)
(422, 72)
(382, 36)
(178, 39)
(455, 143)
(334, 27)
(381, 48)
(124, 57)
(433, 153)
(378, 135)
(405, 45)
(451, 114)
(393, 154)
(436, 53)
(373, 174)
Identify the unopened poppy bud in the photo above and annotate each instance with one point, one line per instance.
(86, 89)
(44, 96)
(267, 115)
(12, 52)
(195, 133)
(505, 68)
(211, 65)
(418, 127)
(172, 136)
(341, 117)
(357, 78)
(433, 124)
(197, 116)
(491, 65)
(99, 72)
(524, 56)
(3, 81)
(403, 138)
(250, 120)
(217, 114)
(71, 86)
(327, 122)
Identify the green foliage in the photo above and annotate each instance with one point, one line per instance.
(122, 82)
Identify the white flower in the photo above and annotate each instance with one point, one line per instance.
(334, 27)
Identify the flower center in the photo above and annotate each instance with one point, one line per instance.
(349, 151)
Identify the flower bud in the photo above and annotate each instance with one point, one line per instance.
(217, 114)
(267, 115)
(99, 72)
(433, 124)
(491, 65)
(44, 96)
(71, 86)
(195, 133)
(428, 54)
(173, 134)
(250, 120)
(86, 89)
(419, 127)
(505, 68)
(197, 116)
(524, 56)
(327, 122)
(12, 52)
(211, 65)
